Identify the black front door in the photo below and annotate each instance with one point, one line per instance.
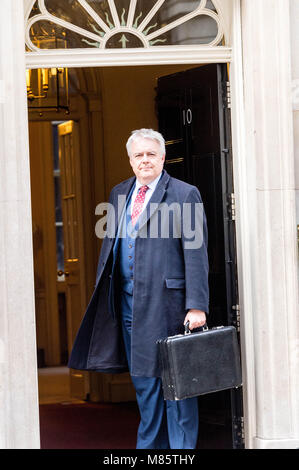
(194, 118)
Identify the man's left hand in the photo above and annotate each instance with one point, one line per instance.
(196, 319)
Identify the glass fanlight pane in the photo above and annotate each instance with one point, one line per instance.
(170, 11)
(199, 30)
(102, 9)
(210, 5)
(48, 35)
(122, 7)
(143, 7)
(72, 12)
(35, 10)
(122, 23)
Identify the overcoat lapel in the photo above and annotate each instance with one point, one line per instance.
(155, 200)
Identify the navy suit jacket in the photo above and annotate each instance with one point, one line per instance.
(170, 278)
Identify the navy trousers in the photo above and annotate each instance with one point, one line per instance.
(164, 424)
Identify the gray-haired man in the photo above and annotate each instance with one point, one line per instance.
(147, 288)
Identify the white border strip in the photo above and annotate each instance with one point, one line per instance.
(94, 57)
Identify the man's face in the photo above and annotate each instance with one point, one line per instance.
(146, 159)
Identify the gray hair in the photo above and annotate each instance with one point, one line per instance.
(146, 134)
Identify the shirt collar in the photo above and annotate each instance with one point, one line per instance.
(152, 185)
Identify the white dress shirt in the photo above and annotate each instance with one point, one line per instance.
(148, 194)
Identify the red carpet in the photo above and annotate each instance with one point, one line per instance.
(111, 426)
(89, 426)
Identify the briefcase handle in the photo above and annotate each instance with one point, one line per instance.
(188, 331)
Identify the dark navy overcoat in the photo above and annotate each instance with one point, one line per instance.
(169, 279)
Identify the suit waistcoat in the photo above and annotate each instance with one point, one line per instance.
(126, 256)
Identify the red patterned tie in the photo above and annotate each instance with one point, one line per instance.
(138, 204)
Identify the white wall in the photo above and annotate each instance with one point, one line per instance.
(19, 421)
(271, 225)
(294, 10)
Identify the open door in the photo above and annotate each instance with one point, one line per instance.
(70, 177)
(44, 244)
(194, 117)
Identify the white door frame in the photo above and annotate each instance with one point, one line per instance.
(197, 55)
(161, 55)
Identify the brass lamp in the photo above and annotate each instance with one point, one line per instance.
(47, 89)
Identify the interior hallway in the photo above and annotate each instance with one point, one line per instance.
(54, 386)
(68, 423)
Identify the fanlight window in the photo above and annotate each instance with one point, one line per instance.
(104, 24)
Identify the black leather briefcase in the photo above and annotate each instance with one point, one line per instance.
(194, 364)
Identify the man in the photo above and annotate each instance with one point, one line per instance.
(149, 284)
